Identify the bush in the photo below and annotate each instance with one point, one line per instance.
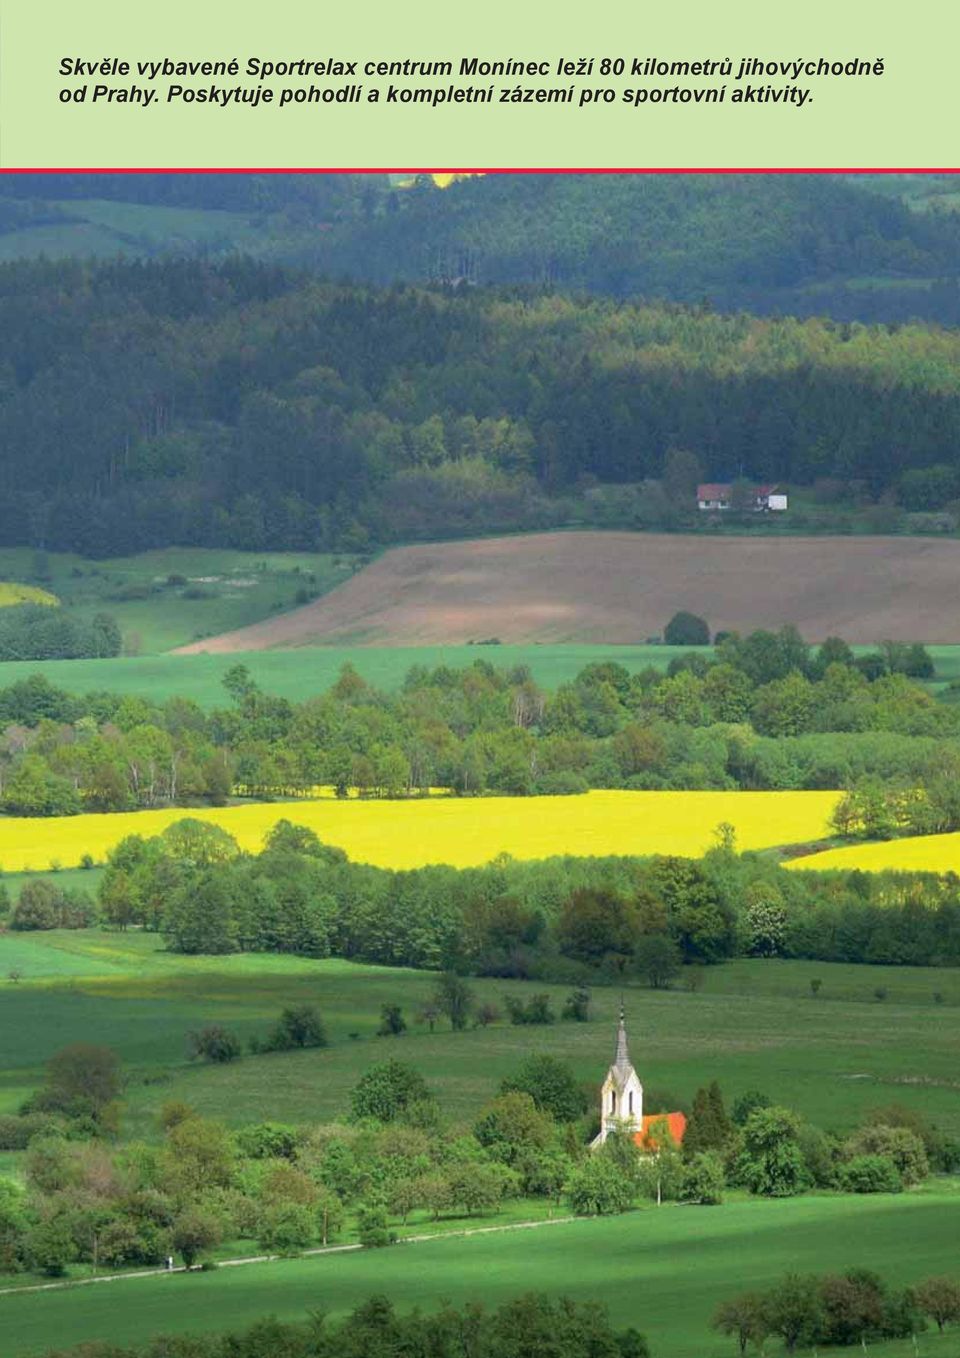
(703, 1180)
(536, 1010)
(372, 1229)
(870, 1174)
(297, 1026)
(215, 1043)
(686, 629)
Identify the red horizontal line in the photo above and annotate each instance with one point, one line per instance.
(480, 169)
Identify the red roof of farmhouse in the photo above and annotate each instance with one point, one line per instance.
(720, 490)
(676, 1125)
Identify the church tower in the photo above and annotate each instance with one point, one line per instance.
(621, 1097)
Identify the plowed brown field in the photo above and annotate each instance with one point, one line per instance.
(623, 587)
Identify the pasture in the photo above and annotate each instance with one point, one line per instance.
(663, 1270)
(462, 832)
(754, 1024)
(302, 673)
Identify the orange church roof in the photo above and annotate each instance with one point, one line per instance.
(676, 1125)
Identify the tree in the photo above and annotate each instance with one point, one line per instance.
(744, 1316)
(939, 1298)
(298, 1026)
(392, 1022)
(512, 1125)
(387, 1090)
(551, 1084)
(682, 473)
(85, 1074)
(49, 1246)
(38, 906)
(794, 1310)
(597, 1187)
(454, 998)
(286, 1228)
(703, 1179)
(598, 924)
(687, 629)
(215, 1043)
(194, 1232)
(771, 1163)
(657, 959)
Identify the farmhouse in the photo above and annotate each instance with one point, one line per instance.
(621, 1103)
(718, 495)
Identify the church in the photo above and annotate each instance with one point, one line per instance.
(621, 1102)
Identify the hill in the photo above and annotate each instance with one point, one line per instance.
(624, 587)
(243, 405)
(859, 247)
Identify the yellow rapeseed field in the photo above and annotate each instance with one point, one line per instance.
(925, 853)
(11, 593)
(464, 832)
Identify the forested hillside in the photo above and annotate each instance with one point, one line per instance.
(245, 405)
(864, 248)
(807, 245)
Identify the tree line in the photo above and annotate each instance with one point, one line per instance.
(760, 712)
(655, 920)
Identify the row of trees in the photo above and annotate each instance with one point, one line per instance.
(561, 919)
(529, 1324)
(764, 713)
(856, 1307)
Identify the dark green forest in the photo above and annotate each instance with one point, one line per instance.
(241, 404)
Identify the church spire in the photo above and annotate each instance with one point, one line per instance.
(621, 1060)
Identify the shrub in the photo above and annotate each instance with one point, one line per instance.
(536, 1010)
(215, 1043)
(576, 1007)
(372, 1229)
(870, 1174)
(392, 1022)
(703, 1180)
(297, 1026)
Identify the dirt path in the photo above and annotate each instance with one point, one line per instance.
(623, 588)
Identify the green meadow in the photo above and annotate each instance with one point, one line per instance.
(170, 597)
(308, 670)
(662, 1270)
(753, 1024)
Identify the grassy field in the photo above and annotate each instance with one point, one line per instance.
(753, 1025)
(662, 1270)
(464, 832)
(920, 853)
(309, 670)
(232, 589)
(104, 229)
